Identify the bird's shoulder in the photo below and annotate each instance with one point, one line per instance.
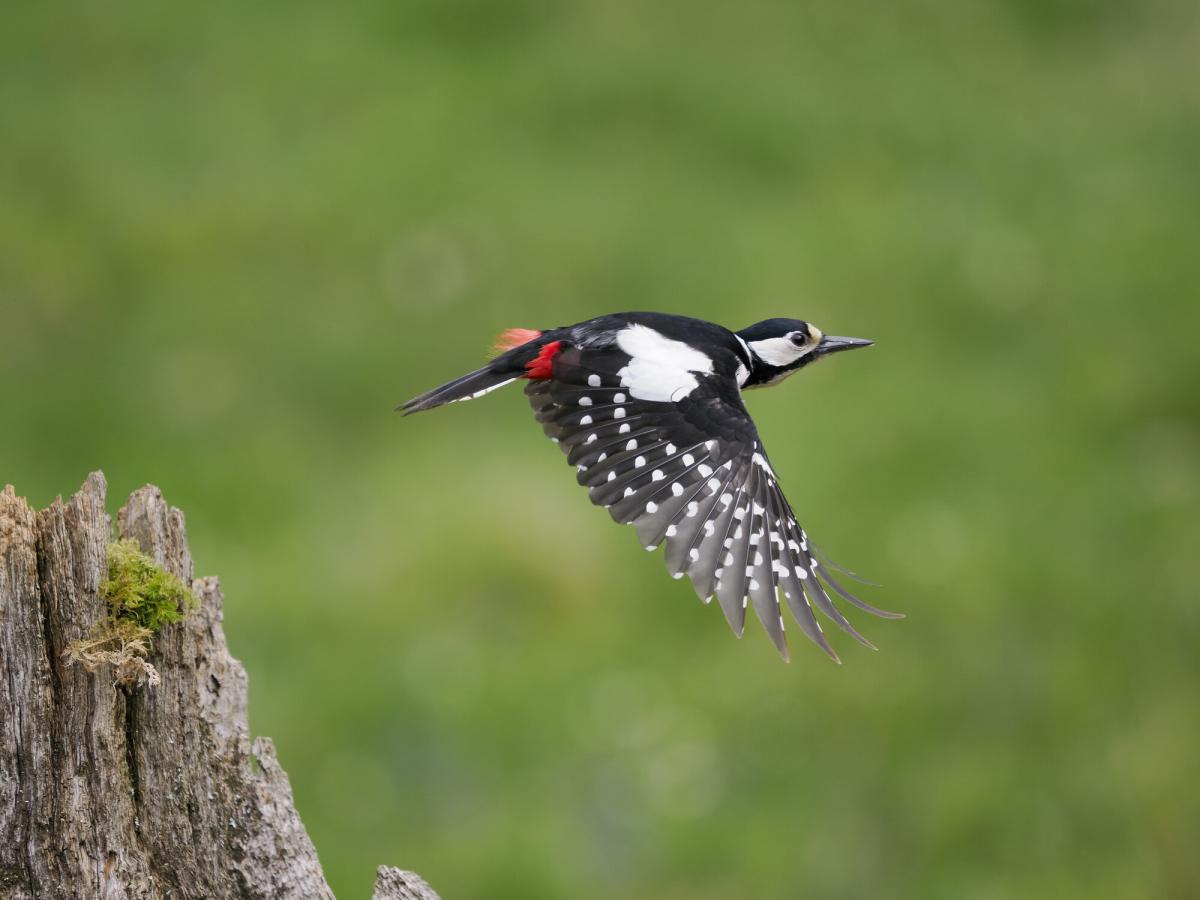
(664, 338)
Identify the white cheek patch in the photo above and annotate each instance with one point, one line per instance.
(779, 351)
(659, 369)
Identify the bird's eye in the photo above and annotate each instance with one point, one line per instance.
(799, 338)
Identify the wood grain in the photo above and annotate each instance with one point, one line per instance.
(112, 792)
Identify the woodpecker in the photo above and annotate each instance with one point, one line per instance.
(648, 409)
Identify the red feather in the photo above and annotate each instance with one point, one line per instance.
(541, 366)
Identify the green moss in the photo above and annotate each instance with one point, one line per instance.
(141, 598)
(138, 591)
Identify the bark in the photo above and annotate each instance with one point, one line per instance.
(133, 792)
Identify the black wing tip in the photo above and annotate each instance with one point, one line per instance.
(817, 636)
(824, 560)
(873, 610)
(861, 604)
(781, 646)
(738, 628)
(847, 627)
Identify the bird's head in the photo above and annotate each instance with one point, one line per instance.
(779, 347)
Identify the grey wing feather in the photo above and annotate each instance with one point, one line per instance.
(692, 475)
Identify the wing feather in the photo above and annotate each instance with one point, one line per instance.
(731, 576)
(708, 566)
(693, 548)
(656, 491)
(760, 574)
(692, 474)
(789, 579)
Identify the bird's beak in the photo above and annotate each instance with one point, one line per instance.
(832, 344)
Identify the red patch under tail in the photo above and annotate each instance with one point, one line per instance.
(541, 366)
(514, 337)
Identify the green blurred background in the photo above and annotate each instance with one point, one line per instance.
(233, 236)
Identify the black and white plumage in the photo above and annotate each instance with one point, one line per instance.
(648, 408)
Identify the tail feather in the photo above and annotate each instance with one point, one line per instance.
(469, 386)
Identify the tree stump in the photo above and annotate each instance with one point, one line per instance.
(133, 792)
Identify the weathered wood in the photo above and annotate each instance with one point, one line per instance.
(133, 792)
(394, 884)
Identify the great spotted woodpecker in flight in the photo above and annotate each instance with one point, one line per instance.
(648, 408)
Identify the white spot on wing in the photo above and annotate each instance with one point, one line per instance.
(659, 369)
(761, 461)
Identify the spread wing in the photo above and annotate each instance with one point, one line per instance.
(692, 473)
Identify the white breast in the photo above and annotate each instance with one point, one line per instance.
(659, 369)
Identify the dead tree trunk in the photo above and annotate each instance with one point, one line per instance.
(133, 792)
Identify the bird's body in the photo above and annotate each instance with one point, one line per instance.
(648, 408)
